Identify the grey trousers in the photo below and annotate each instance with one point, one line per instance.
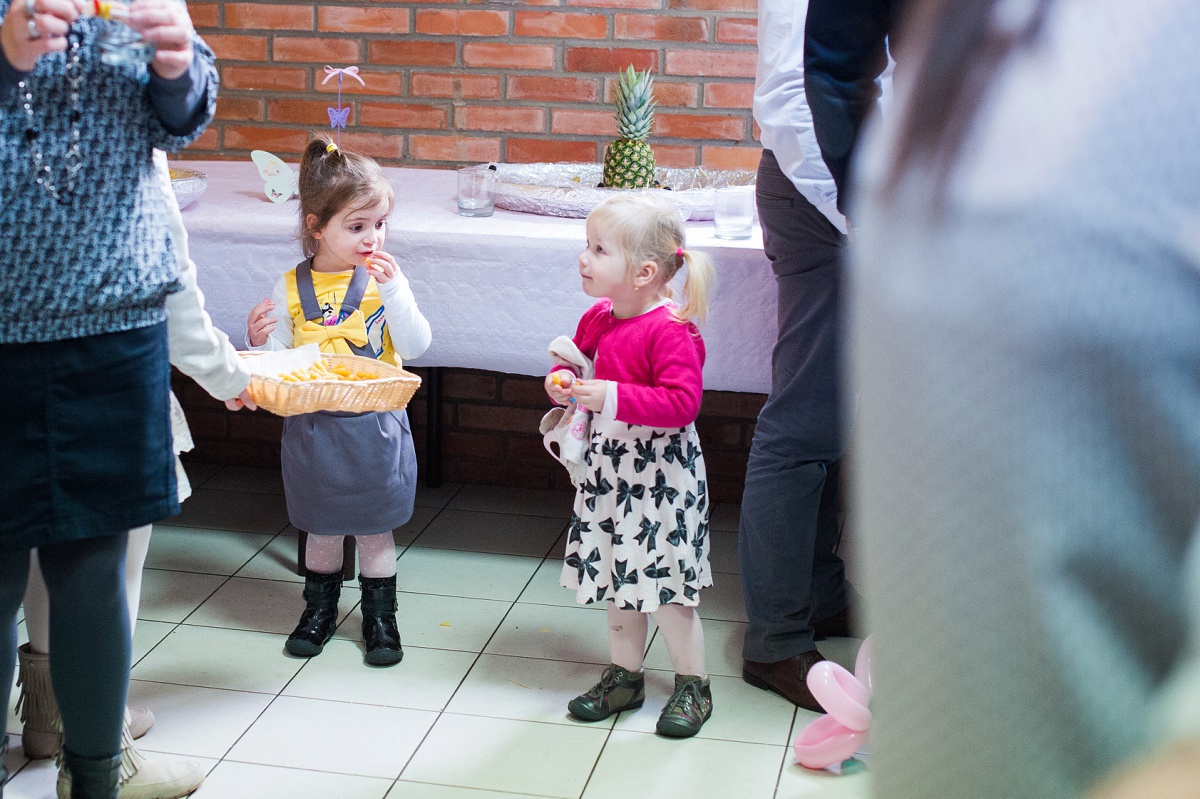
(791, 575)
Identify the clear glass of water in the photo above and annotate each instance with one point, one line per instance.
(733, 212)
(120, 45)
(476, 191)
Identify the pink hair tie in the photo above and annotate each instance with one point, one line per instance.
(679, 253)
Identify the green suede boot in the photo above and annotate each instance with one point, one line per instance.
(619, 689)
(688, 708)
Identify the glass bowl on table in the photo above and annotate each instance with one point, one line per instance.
(188, 185)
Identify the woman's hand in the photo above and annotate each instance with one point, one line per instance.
(32, 28)
(590, 394)
(259, 325)
(242, 400)
(382, 266)
(166, 24)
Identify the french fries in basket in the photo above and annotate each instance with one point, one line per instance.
(319, 371)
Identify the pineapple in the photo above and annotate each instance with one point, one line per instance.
(629, 161)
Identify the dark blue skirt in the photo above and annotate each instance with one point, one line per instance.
(86, 431)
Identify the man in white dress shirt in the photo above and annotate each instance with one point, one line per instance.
(793, 581)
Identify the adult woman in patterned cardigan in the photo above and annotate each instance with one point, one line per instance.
(86, 265)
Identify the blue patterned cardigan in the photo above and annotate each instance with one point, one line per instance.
(100, 261)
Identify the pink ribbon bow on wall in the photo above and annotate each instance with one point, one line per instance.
(351, 71)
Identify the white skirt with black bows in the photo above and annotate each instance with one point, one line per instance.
(639, 531)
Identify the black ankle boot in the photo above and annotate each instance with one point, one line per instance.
(92, 778)
(379, 621)
(317, 623)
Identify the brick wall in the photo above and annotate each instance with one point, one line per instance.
(466, 81)
(489, 432)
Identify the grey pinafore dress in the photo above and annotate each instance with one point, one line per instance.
(347, 473)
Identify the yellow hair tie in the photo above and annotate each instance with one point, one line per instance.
(330, 148)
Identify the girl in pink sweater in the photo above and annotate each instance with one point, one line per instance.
(639, 532)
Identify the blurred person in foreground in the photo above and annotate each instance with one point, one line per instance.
(1024, 344)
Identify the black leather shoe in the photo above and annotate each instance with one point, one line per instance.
(319, 620)
(839, 625)
(380, 635)
(788, 678)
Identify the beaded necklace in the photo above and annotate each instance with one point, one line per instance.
(62, 185)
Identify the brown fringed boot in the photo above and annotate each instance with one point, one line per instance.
(41, 736)
(36, 706)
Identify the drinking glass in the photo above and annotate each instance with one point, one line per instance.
(733, 212)
(476, 191)
(120, 45)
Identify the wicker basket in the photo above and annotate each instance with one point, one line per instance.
(390, 392)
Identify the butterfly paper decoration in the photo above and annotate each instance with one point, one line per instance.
(281, 180)
(339, 115)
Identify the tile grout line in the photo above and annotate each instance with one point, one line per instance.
(475, 661)
(442, 712)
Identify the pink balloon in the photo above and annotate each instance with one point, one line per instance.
(862, 664)
(841, 694)
(825, 742)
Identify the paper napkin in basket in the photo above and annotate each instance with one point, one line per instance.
(274, 363)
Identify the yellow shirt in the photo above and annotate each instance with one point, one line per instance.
(330, 288)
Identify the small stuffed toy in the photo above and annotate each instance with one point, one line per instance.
(569, 428)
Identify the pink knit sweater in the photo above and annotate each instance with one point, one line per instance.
(656, 361)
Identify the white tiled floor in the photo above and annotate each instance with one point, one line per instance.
(494, 649)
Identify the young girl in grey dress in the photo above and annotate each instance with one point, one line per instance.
(346, 473)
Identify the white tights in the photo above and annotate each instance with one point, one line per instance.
(681, 630)
(37, 600)
(376, 554)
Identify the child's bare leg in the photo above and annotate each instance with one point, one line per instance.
(684, 636)
(627, 637)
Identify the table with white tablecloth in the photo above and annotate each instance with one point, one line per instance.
(496, 290)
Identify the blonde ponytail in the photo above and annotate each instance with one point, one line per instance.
(700, 271)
